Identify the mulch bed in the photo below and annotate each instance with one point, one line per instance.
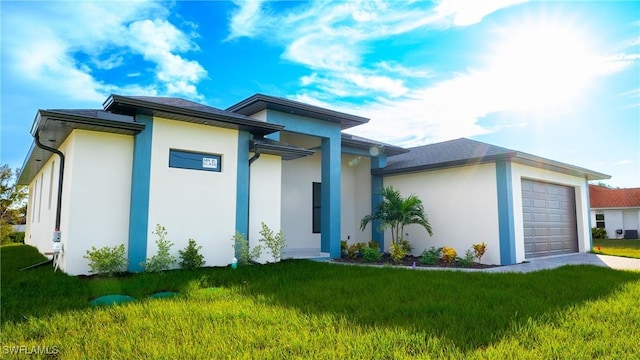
(410, 260)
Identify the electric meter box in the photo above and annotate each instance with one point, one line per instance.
(56, 236)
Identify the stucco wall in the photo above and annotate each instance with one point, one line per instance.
(356, 197)
(519, 172)
(461, 205)
(265, 199)
(297, 190)
(42, 204)
(191, 203)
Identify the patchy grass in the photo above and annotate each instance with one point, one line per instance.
(303, 309)
(617, 247)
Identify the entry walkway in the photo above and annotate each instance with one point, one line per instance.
(552, 262)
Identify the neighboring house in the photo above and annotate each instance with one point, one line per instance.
(206, 173)
(616, 210)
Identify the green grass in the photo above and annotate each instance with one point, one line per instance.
(303, 309)
(617, 247)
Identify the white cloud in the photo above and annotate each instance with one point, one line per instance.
(247, 20)
(43, 45)
(469, 12)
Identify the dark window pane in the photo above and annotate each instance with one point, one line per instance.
(317, 200)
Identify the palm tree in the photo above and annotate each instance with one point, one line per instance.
(394, 212)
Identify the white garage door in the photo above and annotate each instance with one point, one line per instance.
(549, 214)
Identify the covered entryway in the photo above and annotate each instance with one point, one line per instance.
(549, 217)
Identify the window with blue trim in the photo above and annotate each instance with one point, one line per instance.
(195, 160)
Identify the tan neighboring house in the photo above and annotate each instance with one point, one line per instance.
(616, 210)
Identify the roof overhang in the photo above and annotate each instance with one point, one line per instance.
(54, 126)
(360, 143)
(259, 102)
(515, 156)
(271, 147)
(132, 106)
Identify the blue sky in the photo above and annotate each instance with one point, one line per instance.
(557, 79)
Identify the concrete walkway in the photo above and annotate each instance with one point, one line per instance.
(552, 262)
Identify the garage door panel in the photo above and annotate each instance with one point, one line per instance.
(549, 219)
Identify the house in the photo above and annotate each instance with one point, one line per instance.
(616, 210)
(108, 176)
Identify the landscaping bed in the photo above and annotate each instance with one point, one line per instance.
(411, 260)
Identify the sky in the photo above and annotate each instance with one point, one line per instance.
(556, 79)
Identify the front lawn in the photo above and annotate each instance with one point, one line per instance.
(304, 309)
(617, 247)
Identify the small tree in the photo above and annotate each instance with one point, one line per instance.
(190, 257)
(395, 212)
(13, 208)
(162, 260)
(275, 243)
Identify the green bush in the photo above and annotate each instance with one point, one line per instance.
(343, 247)
(107, 260)
(431, 256)
(8, 236)
(374, 245)
(397, 252)
(190, 257)
(468, 259)
(370, 254)
(599, 233)
(163, 260)
(244, 254)
(406, 246)
(354, 250)
(449, 254)
(275, 243)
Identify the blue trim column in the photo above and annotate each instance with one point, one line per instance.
(139, 207)
(590, 234)
(330, 202)
(377, 185)
(242, 185)
(505, 213)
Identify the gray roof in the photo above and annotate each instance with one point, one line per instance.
(464, 151)
(54, 126)
(188, 111)
(259, 102)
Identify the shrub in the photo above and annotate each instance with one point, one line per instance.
(370, 254)
(107, 260)
(244, 254)
(406, 246)
(431, 256)
(397, 252)
(190, 256)
(354, 250)
(275, 243)
(599, 233)
(343, 247)
(479, 250)
(374, 245)
(449, 254)
(162, 260)
(467, 260)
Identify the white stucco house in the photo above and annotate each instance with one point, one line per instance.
(105, 177)
(616, 210)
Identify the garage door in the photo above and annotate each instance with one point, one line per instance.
(549, 215)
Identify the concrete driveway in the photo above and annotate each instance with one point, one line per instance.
(552, 262)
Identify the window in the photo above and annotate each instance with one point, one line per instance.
(600, 221)
(194, 160)
(317, 200)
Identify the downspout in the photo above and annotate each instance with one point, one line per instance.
(57, 247)
(61, 171)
